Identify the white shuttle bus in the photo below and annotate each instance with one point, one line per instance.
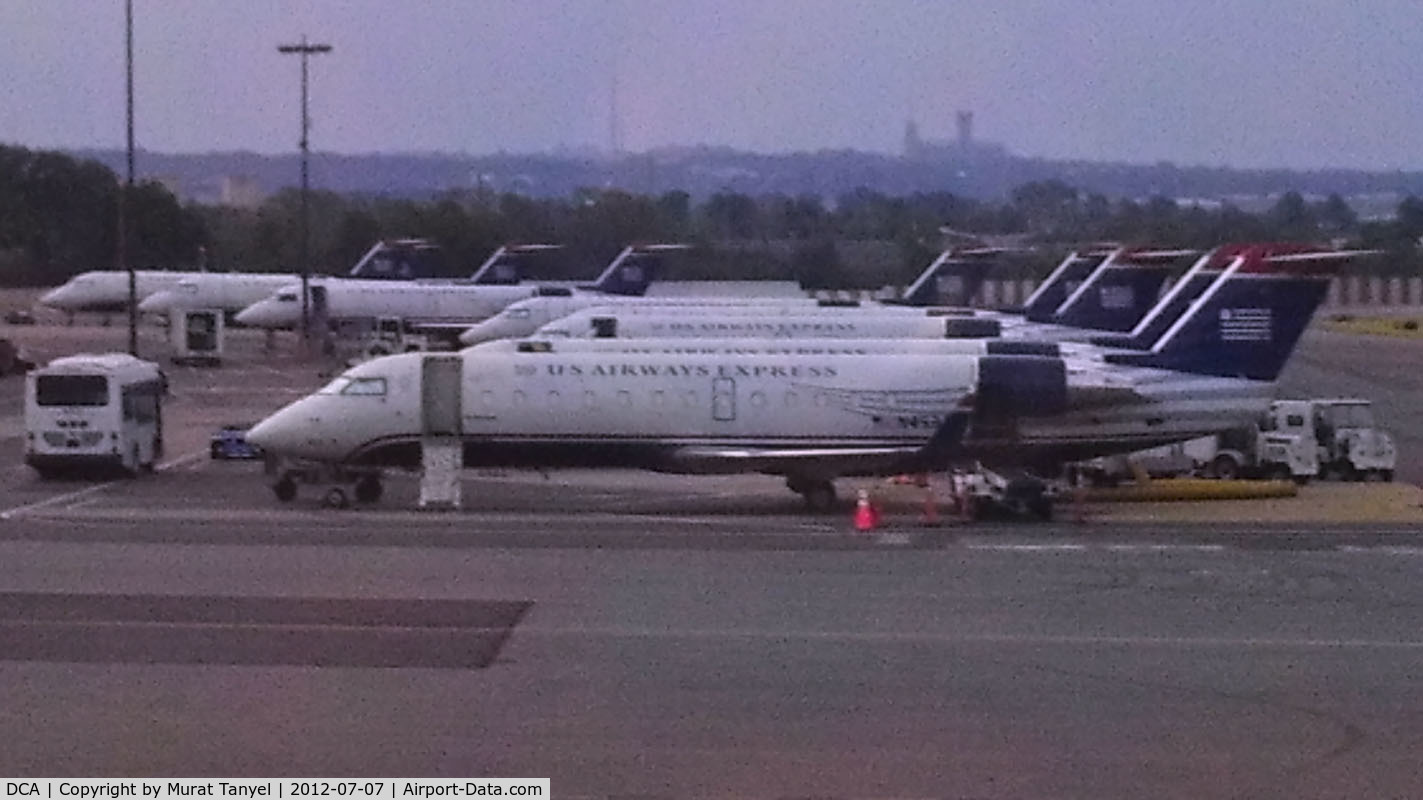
(94, 412)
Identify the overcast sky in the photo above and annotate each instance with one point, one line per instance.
(1298, 83)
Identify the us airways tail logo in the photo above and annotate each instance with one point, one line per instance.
(1116, 298)
(1245, 324)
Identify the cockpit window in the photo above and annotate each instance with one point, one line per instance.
(518, 313)
(286, 297)
(371, 387)
(335, 386)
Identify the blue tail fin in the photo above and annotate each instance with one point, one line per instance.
(1061, 282)
(952, 279)
(1246, 324)
(1121, 291)
(634, 269)
(506, 265)
(401, 260)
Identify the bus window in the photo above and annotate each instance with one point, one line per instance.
(72, 390)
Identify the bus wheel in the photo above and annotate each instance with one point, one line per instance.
(336, 498)
(368, 489)
(285, 489)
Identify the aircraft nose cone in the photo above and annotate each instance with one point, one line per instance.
(473, 335)
(275, 434)
(253, 315)
(54, 297)
(156, 303)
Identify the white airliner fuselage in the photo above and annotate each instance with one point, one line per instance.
(414, 301)
(229, 292)
(107, 290)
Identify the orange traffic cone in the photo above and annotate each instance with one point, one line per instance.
(865, 517)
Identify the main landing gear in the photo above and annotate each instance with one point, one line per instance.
(818, 494)
(342, 485)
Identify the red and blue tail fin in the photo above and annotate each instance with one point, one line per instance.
(1248, 321)
(1200, 277)
(1121, 291)
(1070, 273)
(952, 279)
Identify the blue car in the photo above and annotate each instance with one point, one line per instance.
(231, 442)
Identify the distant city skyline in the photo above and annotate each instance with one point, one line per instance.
(1273, 83)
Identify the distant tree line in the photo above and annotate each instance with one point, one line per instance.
(58, 217)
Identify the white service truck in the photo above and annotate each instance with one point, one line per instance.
(1295, 440)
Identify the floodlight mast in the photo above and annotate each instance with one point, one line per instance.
(305, 49)
(125, 263)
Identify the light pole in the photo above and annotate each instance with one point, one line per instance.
(304, 50)
(127, 188)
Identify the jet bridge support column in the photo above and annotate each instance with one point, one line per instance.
(441, 448)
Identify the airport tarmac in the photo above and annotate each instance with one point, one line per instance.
(655, 636)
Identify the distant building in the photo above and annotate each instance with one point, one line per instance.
(240, 191)
(964, 148)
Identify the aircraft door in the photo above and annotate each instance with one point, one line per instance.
(320, 308)
(440, 395)
(724, 399)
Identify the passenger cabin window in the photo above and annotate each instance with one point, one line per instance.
(72, 390)
(366, 387)
(1295, 420)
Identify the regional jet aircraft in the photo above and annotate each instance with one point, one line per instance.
(443, 309)
(1102, 293)
(107, 290)
(953, 278)
(400, 259)
(812, 418)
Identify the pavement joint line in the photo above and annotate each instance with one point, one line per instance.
(912, 637)
(69, 498)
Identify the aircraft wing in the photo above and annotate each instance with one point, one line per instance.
(850, 460)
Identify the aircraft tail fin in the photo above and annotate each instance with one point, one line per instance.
(952, 279)
(1121, 291)
(505, 266)
(633, 270)
(400, 259)
(1075, 268)
(1248, 321)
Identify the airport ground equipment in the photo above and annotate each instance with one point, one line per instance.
(230, 442)
(94, 412)
(1294, 440)
(364, 339)
(1351, 446)
(993, 494)
(197, 335)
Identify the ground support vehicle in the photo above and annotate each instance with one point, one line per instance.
(983, 493)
